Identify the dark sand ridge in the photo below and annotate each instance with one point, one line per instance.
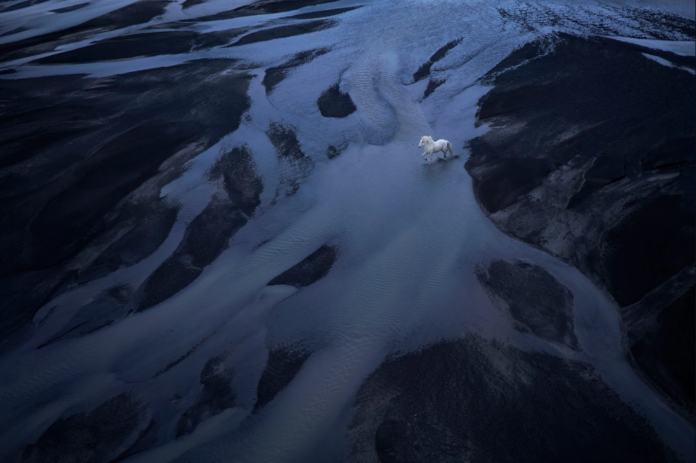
(144, 44)
(74, 132)
(615, 197)
(334, 103)
(275, 75)
(284, 31)
(485, 402)
(153, 44)
(264, 7)
(535, 301)
(139, 12)
(175, 42)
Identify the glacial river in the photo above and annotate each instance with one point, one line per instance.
(410, 236)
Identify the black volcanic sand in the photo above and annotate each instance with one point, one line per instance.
(170, 42)
(100, 434)
(282, 32)
(146, 44)
(533, 300)
(21, 5)
(479, 401)
(275, 75)
(334, 151)
(310, 270)
(654, 334)
(190, 3)
(283, 364)
(146, 440)
(601, 175)
(136, 13)
(68, 9)
(206, 237)
(324, 13)
(432, 86)
(138, 241)
(424, 70)
(80, 208)
(294, 165)
(215, 397)
(334, 103)
(655, 23)
(106, 308)
(209, 232)
(263, 7)
(285, 142)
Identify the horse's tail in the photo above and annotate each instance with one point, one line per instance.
(449, 147)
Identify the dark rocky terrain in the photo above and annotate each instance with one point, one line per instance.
(74, 214)
(100, 434)
(591, 158)
(535, 300)
(446, 403)
(334, 103)
(216, 395)
(136, 13)
(313, 268)
(283, 364)
(274, 75)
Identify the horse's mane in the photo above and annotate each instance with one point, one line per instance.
(428, 137)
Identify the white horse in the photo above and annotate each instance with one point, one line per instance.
(432, 147)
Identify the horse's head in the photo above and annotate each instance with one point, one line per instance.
(422, 141)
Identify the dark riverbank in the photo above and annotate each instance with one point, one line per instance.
(591, 158)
